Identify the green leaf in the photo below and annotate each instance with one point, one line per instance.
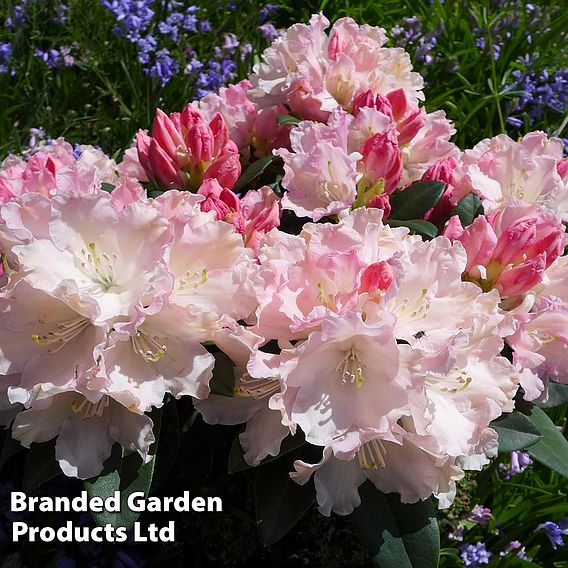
(416, 200)
(279, 501)
(124, 472)
(252, 172)
(468, 209)
(424, 228)
(552, 450)
(105, 186)
(237, 461)
(396, 534)
(557, 395)
(516, 432)
(41, 466)
(287, 119)
(223, 381)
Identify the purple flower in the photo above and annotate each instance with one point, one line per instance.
(519, 460)
(554, 531)
(267, 10)
(480, 515)
(268, 31)
(5, 57)
(132, 16)
(205, 26)
(231, 42)
(18, 16)
(164, 66)
(475, 555)
(246, 50)
(516, 546)
(457, 535)
(61, 11)
(56, 58)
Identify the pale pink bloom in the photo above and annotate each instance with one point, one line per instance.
(339, 373)
(511, 249)
(443, 170)
(52, 344)
(386, 464)
(500, 170)
(540, 342)
(261, 211)
(255, 401)
(158, 352)
(86, 429)
(117, 268)
(250, 127)
(214, 273)
(320, 176)
(315, 73)
(184, 150)
(130, 165)
(430, 144)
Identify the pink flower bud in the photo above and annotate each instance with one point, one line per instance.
(381, 202)
(398, 103)
(562, 167)
(376, 278)
(442, 171)
(335, 46)
(382, 160)
(227, 167)
(183, 147)
(261, 212)
(364, 99)
(224, 202)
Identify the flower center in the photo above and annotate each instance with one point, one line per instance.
(98, 266)
(148, 346)
(455, 381)
(372, 455)
(351, 369)
(417, 309)
(64, 332)
(190, 281)
(88, 409)
(256, 388)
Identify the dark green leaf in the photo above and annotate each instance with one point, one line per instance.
(557, 395)
(516, 432)
(252, 172)
(124, 472)
(223, 381)
(279, 501)
(552, 450)
(287, 119)
(468, 209)
(424, 228)
(416, 200)
(41, 466)
(238, 463)
(169, 443)
(397, 535)
(105, 186)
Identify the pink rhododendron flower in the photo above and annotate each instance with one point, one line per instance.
(315, 73)
(510, 250)
(253, 129)
(261, 211)
(500, 170)
(223, 202)
(184, 150)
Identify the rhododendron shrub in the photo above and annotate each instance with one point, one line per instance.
(305, 254)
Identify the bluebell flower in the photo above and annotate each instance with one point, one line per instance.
(164, 66)
(480, 515)
(554, 532)
(205, 26)
(267, 10)
(268, 31)
(475, 555)
(230, 43)
(5, 57)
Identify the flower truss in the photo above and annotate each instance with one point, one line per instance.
(381, 294)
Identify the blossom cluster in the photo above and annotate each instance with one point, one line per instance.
(383, 348)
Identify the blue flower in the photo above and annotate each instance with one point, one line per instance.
(554, 531)
(5, 57)
(475, 555)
